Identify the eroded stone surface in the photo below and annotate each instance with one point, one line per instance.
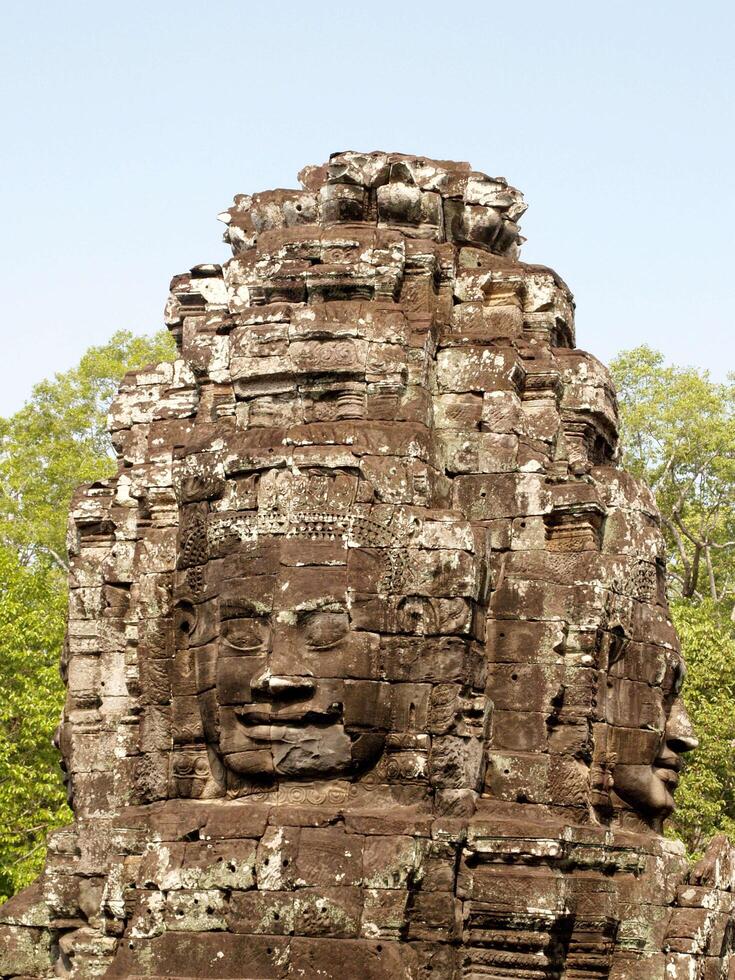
(370, 669)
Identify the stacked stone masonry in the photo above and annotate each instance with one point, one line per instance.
(370, 668)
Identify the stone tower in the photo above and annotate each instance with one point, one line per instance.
(370, 668)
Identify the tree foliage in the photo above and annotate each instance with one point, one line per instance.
(55, 442)
(678, 432)
(32, 798)
(59, 439)
(706, 797)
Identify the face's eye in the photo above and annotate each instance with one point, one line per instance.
(680, 675)
(249, 635)
(674, 678)
(323, 629)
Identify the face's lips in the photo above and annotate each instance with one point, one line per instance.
(668, 777)
(250, 717)
(667, 768)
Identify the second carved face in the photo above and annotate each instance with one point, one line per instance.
(649, 729)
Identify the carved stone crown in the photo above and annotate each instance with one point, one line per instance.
(440, 200)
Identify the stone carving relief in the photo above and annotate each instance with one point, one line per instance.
(287, 625)
(369, 656)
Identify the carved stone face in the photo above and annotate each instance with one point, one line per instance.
(308, 650)
(296, 690)
(651, 731)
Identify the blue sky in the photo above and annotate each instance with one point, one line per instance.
(127, 127)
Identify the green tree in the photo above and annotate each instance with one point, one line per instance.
(678, 432)
(59, 439)
(32, 798)
(705, 799)
(55, 442)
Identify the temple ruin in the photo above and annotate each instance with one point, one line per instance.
(369, 661)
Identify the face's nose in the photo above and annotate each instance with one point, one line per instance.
(275, 681)
(679, 734)
(266, 686)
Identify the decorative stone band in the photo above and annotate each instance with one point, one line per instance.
(204, 538)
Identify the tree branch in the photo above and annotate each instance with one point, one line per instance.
(710, 574)
(63, 565)
(680, 548)
(697, 542)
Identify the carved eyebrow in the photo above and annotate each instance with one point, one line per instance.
(320, 604)
(237, 605)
